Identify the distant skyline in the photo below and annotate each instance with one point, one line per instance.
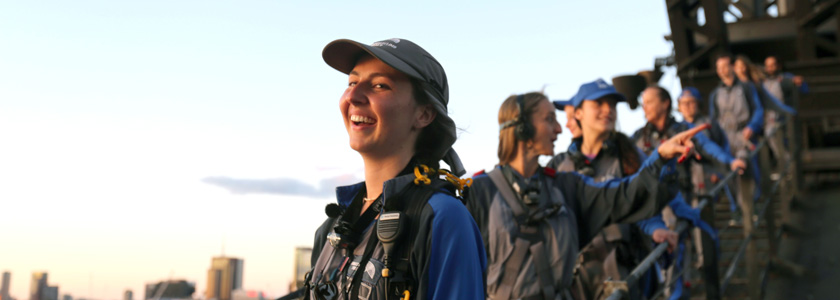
(137, 138)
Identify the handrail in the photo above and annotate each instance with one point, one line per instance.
(730, 271)
(682, 225)
(670, 283)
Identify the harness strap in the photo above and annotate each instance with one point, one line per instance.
(508, 195)
(512, 266)
(530, 238)
(543, 270)
(355, 283)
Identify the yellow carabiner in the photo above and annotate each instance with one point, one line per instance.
(406, 295)
(460, 184)
(421, 177)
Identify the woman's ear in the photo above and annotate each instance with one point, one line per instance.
(578, 114)
(423, 116)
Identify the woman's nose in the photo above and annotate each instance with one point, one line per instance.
(354, 95)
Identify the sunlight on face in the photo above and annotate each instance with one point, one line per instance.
(653, 106)
(375, 107)
(597, 116)
(546, 128)
(571, 122)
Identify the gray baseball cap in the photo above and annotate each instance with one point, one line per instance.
(400, 54)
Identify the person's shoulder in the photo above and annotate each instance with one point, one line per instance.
(638, 133)
(750, 87)
(444, 200)
(558, 159)
(479, 174)
(480, 179)
(448, 211)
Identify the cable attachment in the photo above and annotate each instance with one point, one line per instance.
(422, 176)
(460, 184)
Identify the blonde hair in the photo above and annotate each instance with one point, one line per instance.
(755, 74)
(509, 111)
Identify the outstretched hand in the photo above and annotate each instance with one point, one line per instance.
(664, 235)
(680, 144)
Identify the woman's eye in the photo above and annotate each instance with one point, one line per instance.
(380, 86)
(352, 83)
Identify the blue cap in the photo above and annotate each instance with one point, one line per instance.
(590, 91)
(561, 104)
(691, 91)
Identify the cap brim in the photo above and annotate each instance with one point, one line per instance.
(561, 104)
(342, 55)
(601, 94)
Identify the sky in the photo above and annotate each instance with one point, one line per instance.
(138, 139)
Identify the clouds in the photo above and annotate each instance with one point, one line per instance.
(281, 186)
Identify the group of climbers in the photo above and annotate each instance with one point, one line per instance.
(521, 230)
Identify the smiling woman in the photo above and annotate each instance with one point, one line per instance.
(403, 231)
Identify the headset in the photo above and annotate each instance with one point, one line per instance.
(524, 129)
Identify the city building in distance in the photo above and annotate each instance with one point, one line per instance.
(40, 290)
(4, 288)
(170, 290)
(303, 256)
(223, 277)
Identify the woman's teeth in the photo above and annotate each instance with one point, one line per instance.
(361, 119)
